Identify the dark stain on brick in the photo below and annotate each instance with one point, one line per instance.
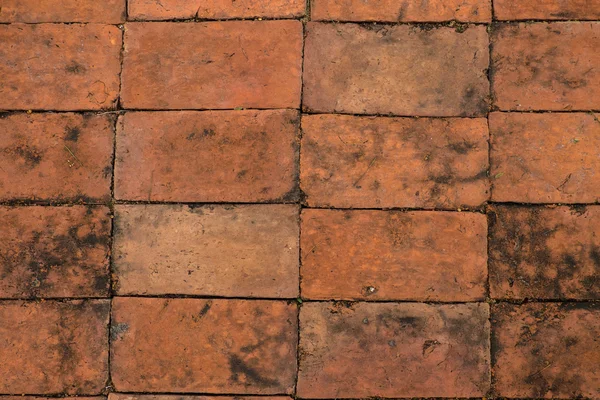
(75, 68)
(72, 133)
(240, 367)
(117, 330)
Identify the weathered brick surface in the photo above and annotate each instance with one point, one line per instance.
(393, 350)
(352, 161)
(56, 157)
(35, 11)
(54, 252)
(400, 70)
(215, 9)
(212, 65)
(54, 347)
(247, 251)
(545, 158)
(547, 9)
(235, 156)
(546, 350)
(193, 345)
(59, 67)
(121, 396)
(546, 66)
(402, 11)
(390, 255)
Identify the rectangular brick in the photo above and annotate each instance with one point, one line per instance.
(54, 252)
(402, 11)
(399, 70)
(367, 162)
(212, 65)
(546, 66)
(547, 9)
(120, 396)
(215, 9)
(211, 156)
(56, 157)
(546, 350)
(54, 347)
(59, 67)
(393, 350)
(211, 346)
(393, 255)
(35, 11)
(235, 251)
(545, 158)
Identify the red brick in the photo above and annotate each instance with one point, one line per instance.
(546, 350)
(59, 67)
(545, 158)
(57, 157)
(212, 65)
(35, 11)
(547, 9)
(54, 347)
(400, 70)
(393, 255)
(236, 251)
(54, 252)
(402, 11)
(367, 162)
(211, 346)
(120, 396)
(213, 156)
(546, 66)
(21, 397)
(215, 9)
(393, 350)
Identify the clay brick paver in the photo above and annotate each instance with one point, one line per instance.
(210, 346)
(35, 11)
(546, 350)
(120, 396)
(547, 9)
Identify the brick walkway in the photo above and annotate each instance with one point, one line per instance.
(244, 197)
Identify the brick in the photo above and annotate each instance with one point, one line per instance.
(55, 252)
(120, 396)
(547, 9)
(393, 255)
(399, 70)
(235, 251)
(545, 158)
(56, 157)
(402, 11)
(21, 397)
(368, 162)
(546, 66)
(59, 67)
(35, 11)
(546, 350)
(212, 65)
(215, 9)
(393, 350)
(212, 156)
(54, 347)
(211, 346)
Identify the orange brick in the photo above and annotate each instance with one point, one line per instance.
(235, 251)
(21, 397)
(215, 9)
(54, 347)
(393, 255)
(120, 396)
(547, 9)
(54, 252)
(56, 157)
(393, 350)
(212, 65)
(213, 156)
(59, 67)
(193, 345)
(546, 66)
(399, 70)
(35, 11)
(545, 158)
(402, 11)
(546, 350)
(367, 162)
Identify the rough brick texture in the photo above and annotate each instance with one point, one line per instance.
(54, 347)
(35, 11)
(546, 350)
(212, 65)
(545, 158)
(210, 346)
(233, 156)
(352, 161)
(389, 255)
(120, 396)
(547, 9)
